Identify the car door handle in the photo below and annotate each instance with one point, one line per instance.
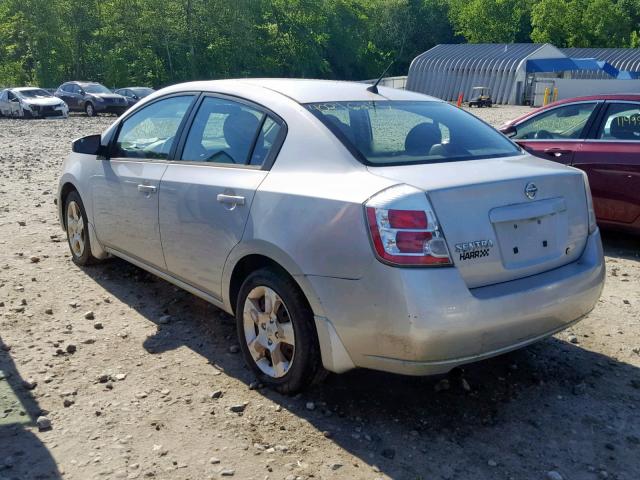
(147, 189)
(230, 199)
(557, 152)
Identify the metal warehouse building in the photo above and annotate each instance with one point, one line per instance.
(516, 73)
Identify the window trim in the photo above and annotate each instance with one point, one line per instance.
(114, 137)
(602, 117)
(584, 134)
(273, 151)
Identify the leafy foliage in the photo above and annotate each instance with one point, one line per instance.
(158, 42)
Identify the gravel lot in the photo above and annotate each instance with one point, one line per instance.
(138, 380)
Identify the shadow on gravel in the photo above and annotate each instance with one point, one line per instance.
(621, 245)
(22, 454)
(552, 406)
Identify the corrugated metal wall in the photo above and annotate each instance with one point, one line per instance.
(446, 70)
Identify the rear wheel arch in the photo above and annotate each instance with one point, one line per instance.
(66, 189)
(251, 263)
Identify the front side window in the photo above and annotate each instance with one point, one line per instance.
(151, 132)
(225, 131)
(406, 132)
(566, 122)
(622, 122)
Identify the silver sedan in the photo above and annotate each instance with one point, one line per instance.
(342, 225)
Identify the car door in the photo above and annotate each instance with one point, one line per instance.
(62, 94)
(14, 104)
(556, 134)
(612, 162)
(205, 196)
(125, 188)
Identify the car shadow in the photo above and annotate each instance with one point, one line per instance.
(621, 245)
(22, 453)
(552, 406)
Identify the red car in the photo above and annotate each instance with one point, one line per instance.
(597, 134)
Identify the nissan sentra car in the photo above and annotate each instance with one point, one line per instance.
(342, 225)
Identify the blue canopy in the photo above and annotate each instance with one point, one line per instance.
(568, 64)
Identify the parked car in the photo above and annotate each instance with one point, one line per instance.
(599, 135)
(92, 98)
(341, 227)
(134, 94)
(31, 102)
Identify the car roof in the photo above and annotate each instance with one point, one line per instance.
(632, 97)
(310, 91)
(24, 89)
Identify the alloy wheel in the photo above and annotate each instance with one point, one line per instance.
(75, 229)
(269, 332)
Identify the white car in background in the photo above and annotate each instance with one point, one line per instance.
(31, 102)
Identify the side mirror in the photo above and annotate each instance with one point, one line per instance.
(90, 145)
(134, 96)
(81, 92)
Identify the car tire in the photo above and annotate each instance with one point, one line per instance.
(89, 109)
(276, 332)
(77, 227)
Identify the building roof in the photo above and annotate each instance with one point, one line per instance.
(621, 58)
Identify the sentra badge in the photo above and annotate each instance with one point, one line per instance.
(475, 249)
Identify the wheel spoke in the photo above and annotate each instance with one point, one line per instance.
(252, 310)
(286, 334)
(271, 302)
(278, 361)
(256, 348)
(80, 224)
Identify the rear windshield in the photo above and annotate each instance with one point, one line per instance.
(142, 91)
(407, 132)
(35, 93)
(95, 88)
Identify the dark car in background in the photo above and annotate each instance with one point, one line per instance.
(134, 94)
(91, 98)
(599, 135)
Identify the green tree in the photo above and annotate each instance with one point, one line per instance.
(487, 21)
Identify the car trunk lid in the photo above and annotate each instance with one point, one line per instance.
(504, 218)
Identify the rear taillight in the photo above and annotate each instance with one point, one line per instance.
(404, 228)
(592, 213)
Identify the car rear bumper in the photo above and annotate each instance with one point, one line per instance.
(426, 321)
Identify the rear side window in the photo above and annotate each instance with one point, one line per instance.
(622, 122)
(225, 131)
(566, 122)
(407, 132)
(150, 132)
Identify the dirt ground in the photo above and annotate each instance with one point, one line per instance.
(138, 378)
